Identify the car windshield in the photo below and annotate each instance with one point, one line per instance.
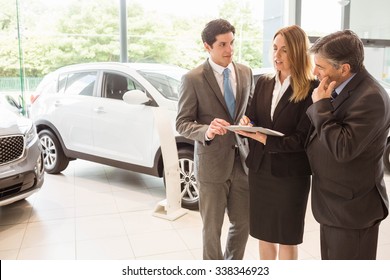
(166, 81)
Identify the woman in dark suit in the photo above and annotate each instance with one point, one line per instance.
(279, 171)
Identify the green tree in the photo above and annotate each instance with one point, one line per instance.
(54, 34)
(149, 37)
(88, 31)
(248, 43)
(8, 39)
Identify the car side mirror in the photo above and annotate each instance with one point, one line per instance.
(136, 97)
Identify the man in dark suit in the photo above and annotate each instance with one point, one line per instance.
(350, 116)
(203, 114)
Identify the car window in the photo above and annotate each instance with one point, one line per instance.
(167, 85)
(77, 83)
(62, 82)
(115, 85)
(48, 85)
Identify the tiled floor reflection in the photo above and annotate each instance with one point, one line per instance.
(92, 211)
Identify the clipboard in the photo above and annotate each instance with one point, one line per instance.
(254, 129)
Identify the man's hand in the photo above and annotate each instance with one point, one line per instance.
(324, 90)
(217, 127)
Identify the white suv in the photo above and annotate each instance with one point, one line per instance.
(79, 113)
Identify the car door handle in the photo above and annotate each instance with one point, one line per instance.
(57, 103)
(99, 110)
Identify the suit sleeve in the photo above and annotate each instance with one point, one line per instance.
(295, 140)
(348, 138)
(186, 123)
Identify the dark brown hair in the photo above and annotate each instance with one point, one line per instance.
(215, 28)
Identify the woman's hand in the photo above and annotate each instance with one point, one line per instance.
(245, 121)
(262, 138)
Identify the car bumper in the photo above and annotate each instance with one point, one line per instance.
(22, 178)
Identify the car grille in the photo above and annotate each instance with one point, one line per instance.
(11, 148)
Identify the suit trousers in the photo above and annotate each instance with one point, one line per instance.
(349, 244)
(231, 197)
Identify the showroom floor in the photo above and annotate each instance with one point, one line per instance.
(92, 211)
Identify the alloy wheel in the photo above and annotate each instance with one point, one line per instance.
(49, 152)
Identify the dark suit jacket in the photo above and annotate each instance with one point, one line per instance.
(200, 101)
(345, 152)
(287, 154)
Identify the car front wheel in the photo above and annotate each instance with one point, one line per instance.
(54, 158)
(386, 157)
(188, 184)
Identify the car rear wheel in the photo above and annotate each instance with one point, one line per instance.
(386, 157)
(54, 158)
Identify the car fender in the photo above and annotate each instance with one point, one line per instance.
(44, 124)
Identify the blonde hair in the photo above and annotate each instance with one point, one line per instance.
(297, 44)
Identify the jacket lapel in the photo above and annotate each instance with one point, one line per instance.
(267, 100)
(210, 78)
(344, 95)
(239, 96)
(348, 90)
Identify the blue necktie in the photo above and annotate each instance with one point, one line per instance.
(228, 92)
(333, 95)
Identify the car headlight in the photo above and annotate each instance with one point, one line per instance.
(30, 135)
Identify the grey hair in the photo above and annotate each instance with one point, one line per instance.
(341, 47)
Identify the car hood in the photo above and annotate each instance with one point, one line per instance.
(11, 123)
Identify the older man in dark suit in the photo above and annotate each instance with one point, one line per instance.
(350, 116)
(213, 96)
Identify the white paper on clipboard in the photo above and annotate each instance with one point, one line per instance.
(254, 129)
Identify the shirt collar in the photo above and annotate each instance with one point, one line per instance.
(218, 68)
(286, 80)
(343, 84)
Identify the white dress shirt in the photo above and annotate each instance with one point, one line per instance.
(278, 92)
(218, 73)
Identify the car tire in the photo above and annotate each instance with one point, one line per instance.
(386, 157)
(188, 184)
(54, 158)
